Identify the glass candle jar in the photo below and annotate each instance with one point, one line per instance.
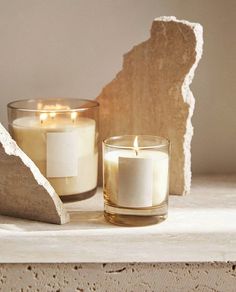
(61, 137)
(136, 179)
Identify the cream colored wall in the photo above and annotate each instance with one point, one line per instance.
(74, 47)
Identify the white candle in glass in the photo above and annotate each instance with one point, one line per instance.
(62, 147)
(136, 177)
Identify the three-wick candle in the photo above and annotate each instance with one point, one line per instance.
(61, 140)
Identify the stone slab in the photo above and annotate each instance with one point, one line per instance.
(200, 228)
(24, 191)
(140, 277)
(151, 94)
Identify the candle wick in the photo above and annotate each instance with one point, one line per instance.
(135, 145)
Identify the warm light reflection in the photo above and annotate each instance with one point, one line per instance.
(39, 106)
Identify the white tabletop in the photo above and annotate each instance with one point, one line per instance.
(201, 227)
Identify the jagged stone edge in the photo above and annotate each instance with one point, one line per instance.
(187, 94)
(185, 90)
(11, 148)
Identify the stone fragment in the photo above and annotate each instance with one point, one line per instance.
(151, 94)
(24, 191)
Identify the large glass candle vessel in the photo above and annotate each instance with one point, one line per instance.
(60, 136)
(136, 179)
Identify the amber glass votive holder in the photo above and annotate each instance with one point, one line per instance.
(136, 179)
(60, 135)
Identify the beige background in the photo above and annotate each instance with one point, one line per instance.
(74, 47)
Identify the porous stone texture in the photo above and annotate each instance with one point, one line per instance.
(151, 94)
(164, 277)
(24, 191)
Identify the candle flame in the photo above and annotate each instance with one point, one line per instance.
(53, 108)
(43, 117)
(52, 115)
(135, 145)
(51, 111)
(73, 116)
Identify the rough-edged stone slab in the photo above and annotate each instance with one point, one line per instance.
(24, 191)
(151, 94)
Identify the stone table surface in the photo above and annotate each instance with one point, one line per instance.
(201, 227)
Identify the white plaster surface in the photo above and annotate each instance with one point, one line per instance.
(200, 228)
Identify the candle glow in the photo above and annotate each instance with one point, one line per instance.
(52, 115)
(52, 111)
(73, 116)
(61, 142)
(43, 117)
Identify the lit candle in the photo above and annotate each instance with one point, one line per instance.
(135, 177)
(62, 145)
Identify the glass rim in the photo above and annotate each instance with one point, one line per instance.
(114, 138)
(13, 104)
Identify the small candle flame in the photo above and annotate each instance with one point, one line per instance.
(135, 145)
(43, 117)
(52, 115)
(53, 108)
(73, 116)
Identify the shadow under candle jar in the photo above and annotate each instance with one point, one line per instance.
(136, 179)
(60, 135)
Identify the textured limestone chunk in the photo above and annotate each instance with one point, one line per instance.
(151, 94)
(24, 191)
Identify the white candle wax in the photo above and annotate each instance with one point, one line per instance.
(153, 178)
(70, 146)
